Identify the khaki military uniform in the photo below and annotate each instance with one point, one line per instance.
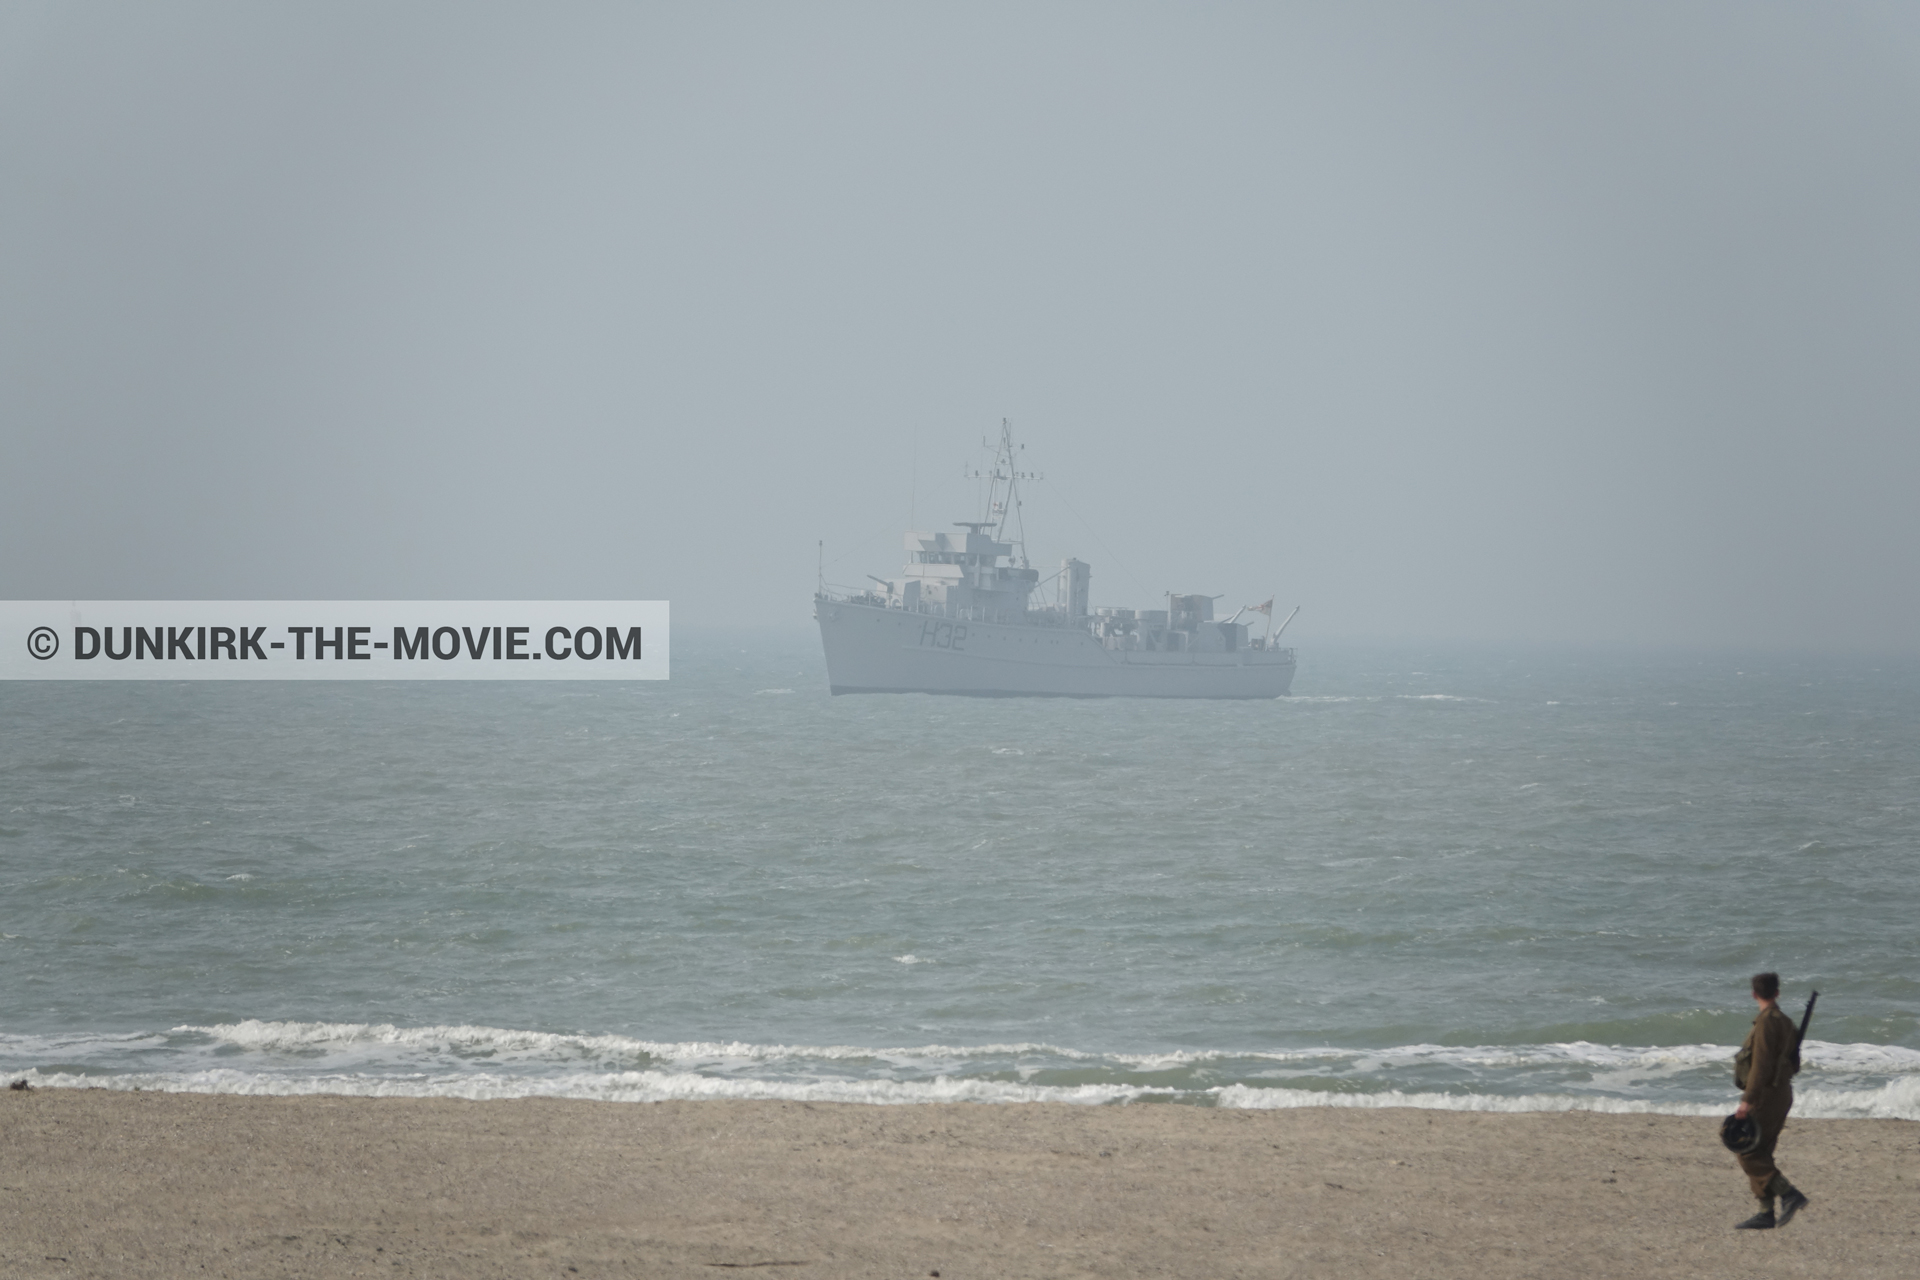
(1763, 1072)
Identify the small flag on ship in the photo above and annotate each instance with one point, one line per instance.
(1266, 608)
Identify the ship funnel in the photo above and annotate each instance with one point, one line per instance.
(1074, 577)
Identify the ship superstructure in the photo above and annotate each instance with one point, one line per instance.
(961, 618)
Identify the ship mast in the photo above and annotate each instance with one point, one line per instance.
(1005, 506)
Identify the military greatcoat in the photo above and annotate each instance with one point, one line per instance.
(1763, 1072)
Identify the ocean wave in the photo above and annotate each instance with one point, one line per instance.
(15, 1046)
(1242, 1097)
(379, 1059)
(476, 1041)
(1894, 1100)
(484, 1041)
(1815, 1055)
(624, 1086)
(1897, 1100)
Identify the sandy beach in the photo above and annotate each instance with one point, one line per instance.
(100, 1183)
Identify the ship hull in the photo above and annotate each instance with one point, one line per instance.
(878, 650)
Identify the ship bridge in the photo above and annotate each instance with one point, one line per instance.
(961, 575)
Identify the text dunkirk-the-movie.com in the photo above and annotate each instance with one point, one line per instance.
(333, 639)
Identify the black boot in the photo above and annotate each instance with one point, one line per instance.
(1761, 1221)
(1791, 1202)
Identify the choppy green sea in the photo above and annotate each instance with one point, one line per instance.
(1461, 878)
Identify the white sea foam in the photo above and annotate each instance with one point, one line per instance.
(304, 1036)
(1241, 1096)
(255, 1056)
(1898, 1100)
(623, 1086)
(77, 1044)
(1895, 1100)
(297, 1037)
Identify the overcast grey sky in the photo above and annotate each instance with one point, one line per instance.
(1517, 322)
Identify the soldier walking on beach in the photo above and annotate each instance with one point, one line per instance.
(1763, 1072)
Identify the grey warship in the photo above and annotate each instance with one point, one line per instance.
(960, 619)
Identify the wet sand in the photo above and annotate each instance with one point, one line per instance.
(99, 1183)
